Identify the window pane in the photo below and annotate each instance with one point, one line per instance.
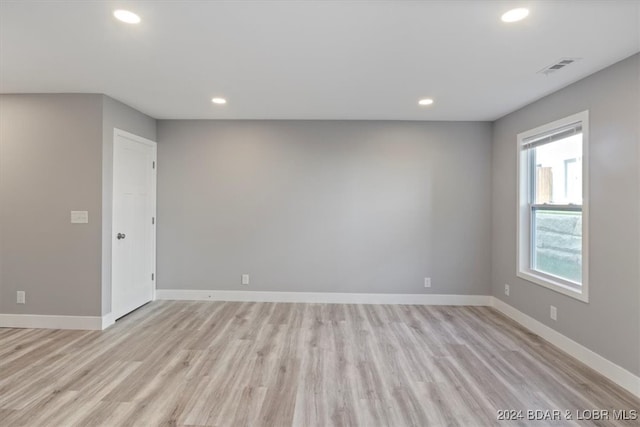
(558, 172)
(557, 243)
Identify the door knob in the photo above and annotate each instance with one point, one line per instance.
(120, 236)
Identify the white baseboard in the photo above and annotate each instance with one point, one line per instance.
(615, 373)
(37, 321)
(322, 297)
(108, 320)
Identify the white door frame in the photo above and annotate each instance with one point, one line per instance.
(121, 133)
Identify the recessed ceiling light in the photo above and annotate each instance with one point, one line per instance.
(515, 15)
(426, 101)
(219, 101)
(126, 16)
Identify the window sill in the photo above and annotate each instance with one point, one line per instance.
(555, 285)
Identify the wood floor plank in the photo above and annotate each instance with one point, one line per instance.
(187, 363)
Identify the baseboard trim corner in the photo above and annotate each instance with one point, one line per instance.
(322, 297)
(38, 321)
(107, 320)
(615, 373)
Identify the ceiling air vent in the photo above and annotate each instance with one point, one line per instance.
(559, 65)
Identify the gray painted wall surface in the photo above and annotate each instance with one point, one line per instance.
(610, 323)
(115, 114)
(50, 164)
(370, 207)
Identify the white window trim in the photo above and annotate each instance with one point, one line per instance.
(523, 247)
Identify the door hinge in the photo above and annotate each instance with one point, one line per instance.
(152, 276)
(153, 165)
(153, 220)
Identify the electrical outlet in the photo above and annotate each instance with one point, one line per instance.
(507, 289)
(427, 282)
(245, 279)
(553, 313)
(21, 297)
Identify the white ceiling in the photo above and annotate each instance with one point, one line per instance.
(311, 59)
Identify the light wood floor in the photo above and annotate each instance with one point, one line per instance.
(262, 364)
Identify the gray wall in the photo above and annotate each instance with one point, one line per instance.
(610, 323)
(115, 114)
(370, 207)
(50, 164)
(56, 155)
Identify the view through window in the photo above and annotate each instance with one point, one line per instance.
(556, 208)
(552, 218)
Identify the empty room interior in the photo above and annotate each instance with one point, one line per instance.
(319, 213)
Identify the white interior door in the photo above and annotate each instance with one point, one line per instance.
(134, 206)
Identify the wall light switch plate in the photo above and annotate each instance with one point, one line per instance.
(245, 279)
(79, 217)
(507, 290)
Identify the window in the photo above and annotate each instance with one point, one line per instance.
(552, 217)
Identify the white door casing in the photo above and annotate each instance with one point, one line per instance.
(133, 230)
